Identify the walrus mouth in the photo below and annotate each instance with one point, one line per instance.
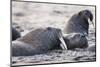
(63, 44)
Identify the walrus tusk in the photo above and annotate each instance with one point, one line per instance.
(63, 44)
(91, 22)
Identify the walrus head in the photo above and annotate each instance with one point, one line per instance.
(58, 35)
(87, 14)
(79, 23)
(75, 40)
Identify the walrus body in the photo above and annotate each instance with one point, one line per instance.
(36, 42)
(78, 23)
(15, 34)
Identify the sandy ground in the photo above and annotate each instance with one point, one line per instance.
(27, 16)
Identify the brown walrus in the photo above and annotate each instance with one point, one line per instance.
(78, 23)
(37, 41)
(15, 34)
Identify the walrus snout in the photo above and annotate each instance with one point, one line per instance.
(79, 22)
(87, 14)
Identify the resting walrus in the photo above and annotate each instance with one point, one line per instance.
(44, 39)
(37, 41)
(78, 23)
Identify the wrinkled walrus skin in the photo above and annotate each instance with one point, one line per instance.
(36, 42)
(78, 23)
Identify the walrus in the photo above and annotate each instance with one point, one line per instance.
(43, 40)
(38, 41)
(15, 34)
(79, 23)
(76, 40)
